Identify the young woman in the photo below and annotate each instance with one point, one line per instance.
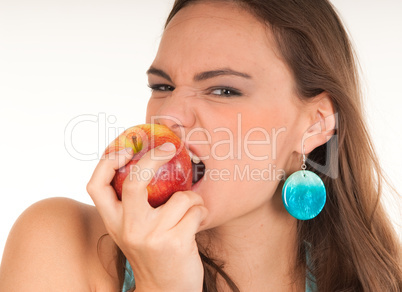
(256, 90)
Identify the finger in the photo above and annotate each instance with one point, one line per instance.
(134, 191)
(176, 207)
(191, 222)
(99, 188)
(108, 165)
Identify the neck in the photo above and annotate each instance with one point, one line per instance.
(258, 251)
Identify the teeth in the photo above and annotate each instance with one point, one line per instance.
(194, 157)
(196, 160)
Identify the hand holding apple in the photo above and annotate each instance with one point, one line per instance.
(133, 224)
(175, 175)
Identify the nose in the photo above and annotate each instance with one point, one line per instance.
(176, 112)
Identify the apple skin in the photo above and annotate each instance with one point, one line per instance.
(173, 176)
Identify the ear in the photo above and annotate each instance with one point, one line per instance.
(323, 122)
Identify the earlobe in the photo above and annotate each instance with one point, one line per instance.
(323, 123)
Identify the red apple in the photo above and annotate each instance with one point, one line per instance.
(173, 176)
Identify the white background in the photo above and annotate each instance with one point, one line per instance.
(61, 61)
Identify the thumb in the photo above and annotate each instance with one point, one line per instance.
(135, 184)
(155, 158)
(163, 153)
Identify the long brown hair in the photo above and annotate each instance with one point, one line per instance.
(353, 246)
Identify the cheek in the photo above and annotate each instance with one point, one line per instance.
(253, 150)
(262, 144)
(152, 109)
(264, 133)
(248, 135)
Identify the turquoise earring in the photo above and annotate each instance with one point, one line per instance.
(303, 193)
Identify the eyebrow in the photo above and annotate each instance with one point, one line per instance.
(201, 76)
(219, 72)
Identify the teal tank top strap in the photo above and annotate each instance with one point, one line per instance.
(310, 285)
(310, 279)
(129, 281)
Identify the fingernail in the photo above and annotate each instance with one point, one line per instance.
(167, 147)
(127, 150)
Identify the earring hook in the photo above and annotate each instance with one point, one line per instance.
(304, 166)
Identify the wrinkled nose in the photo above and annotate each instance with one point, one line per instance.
(176, 112)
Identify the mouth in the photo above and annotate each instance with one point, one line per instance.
(198, 168)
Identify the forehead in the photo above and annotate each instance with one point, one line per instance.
(218, 33)
(218, 12)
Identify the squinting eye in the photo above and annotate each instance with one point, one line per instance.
(161, 87)
(225, 92)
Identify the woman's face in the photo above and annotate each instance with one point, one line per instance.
(219, 84)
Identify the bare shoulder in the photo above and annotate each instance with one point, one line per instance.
(54, 246)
